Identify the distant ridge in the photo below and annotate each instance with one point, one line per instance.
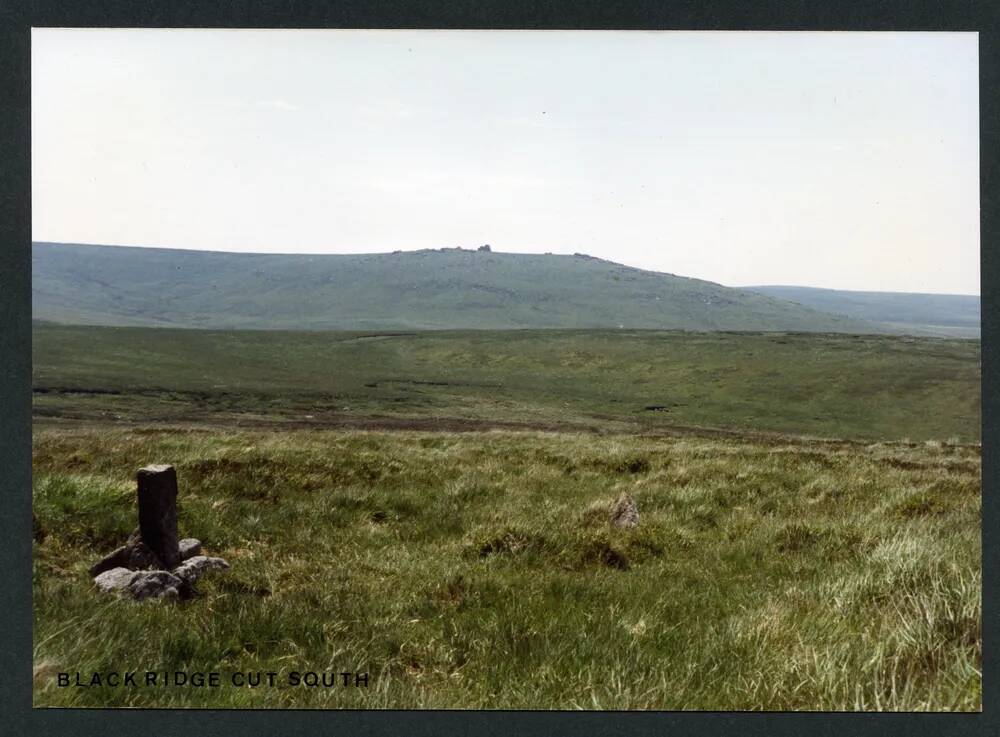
(413, 290)
(931, 314)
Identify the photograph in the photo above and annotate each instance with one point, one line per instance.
(497, 370)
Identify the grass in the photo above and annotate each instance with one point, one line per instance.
(477, 570)
(867, 387)
(432, 509)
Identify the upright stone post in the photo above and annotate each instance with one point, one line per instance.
(158, 512)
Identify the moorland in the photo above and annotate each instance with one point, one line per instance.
(432, 508)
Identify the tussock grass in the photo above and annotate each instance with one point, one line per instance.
(479, 570)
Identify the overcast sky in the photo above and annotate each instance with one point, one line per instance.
(843, 160)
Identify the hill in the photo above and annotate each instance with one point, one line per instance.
(415, 290)
(931, 314)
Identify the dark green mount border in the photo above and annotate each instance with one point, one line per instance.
(16, 18)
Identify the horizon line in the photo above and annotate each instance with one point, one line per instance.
(475, 249)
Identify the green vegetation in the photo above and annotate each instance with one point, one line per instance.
(478, 570)
(945, 315)
(430, 289)
(871, 387)
(809, 532)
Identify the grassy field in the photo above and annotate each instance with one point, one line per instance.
(478, 570)
(871, 387)
(809, 506)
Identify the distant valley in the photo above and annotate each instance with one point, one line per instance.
(945, 315)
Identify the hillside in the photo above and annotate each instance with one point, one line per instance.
(874, 386)
(415, 290)
(932, 314)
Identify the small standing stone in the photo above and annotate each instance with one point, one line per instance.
(158, 512)
(624, 512)
(137, 567)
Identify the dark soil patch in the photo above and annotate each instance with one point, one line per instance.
(603, 553)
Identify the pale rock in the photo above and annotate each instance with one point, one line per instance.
(194, 568)
(624, 512)
(155, 585)
(115, 579)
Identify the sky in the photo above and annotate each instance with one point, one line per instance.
(839, 160)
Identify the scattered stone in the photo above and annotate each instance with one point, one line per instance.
(134, 554)
(138, 556)
(174, 584)
(194, 568)
(115, 579)
(112, 561)
(189, 547)
(624, 512)
(158, 512)
(155, 585)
